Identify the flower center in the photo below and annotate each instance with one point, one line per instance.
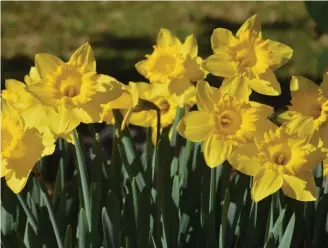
(227, 123)
(69, 82)
(280, 158)
(225, 120)
(164, 64)
(70, 91)
(246, 56)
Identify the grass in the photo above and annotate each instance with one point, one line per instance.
(121, 33)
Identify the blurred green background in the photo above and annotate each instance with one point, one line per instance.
(121, 33)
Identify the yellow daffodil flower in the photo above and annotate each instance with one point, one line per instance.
(167, 104)
(278, 159)
(173, 63)
(31, 110)
(21, 148)
(73, 87)
(247, 55)
(308, 112)
(223, 122)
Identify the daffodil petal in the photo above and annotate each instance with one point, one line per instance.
(216, 151)
(165, 38)
(14, 85)
(194, 127)
(262, 109)
(253, 24)
(83, 57)
(279, 53)
(190, 46)
(267, 84)
(245, 159)
(33, 77)
(4, 167)
(265, 183)
(206, 96)
(141, 67)
(179, 86)
(300, 187)
(220, 38)
(43, 92)
(46, 63)
(219, 65)
(264, 127)
(16, 181)
(299, 83)
(237, 87)
(302, 125)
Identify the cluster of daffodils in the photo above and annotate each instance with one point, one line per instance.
(279, 154)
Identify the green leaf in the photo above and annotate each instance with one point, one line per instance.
(113, 210)
(108, 230)
(224, 222)
(286, 240)
(83, 229)
(68, 237)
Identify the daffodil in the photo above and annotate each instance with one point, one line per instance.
(73, 87)
(247, 55)
(278, 159)
(21, 148)
(173, 63)
(308, 113)
(31, 110)
(223, 122)
(167, 104)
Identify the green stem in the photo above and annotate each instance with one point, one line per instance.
(52, 216)
(30, 216)
(61, 163)
(212, 190)
(83, 176)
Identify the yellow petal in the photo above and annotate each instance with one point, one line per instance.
(46, 63)
(64, 120)
(4, 167)
(48, 140)
(267, 84)
(141, 67)
(219, 65)
(253, 24)
(265, 183)
(43, 92)
(143, 118)
(264, 127)
(245, 159)
(16, 181)
(299, 83)
(279, 53)
(300, 187)
(216, 151)
(220, 39)
(165, 38)
(302, 125)
(262, 109)
(35, 116)
(14, 85)
(194, 127)
(206, 96)
(190, 46)
(22, 166)
(83, 57)
(179, 86)
(236, 86)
